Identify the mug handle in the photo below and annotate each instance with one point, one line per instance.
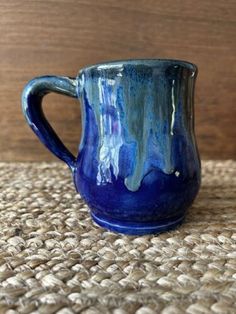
(32, 97)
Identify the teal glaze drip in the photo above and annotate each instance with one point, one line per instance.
(136, 108)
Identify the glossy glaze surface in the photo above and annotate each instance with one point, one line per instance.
(138, 162)
(138, 166)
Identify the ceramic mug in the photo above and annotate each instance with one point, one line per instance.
(138, 166)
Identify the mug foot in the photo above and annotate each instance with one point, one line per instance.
(131, 228)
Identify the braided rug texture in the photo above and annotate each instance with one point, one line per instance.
(53, 259)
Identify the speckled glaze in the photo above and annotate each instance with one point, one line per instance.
(138, 166)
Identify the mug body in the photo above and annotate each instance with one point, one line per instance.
(138, 166)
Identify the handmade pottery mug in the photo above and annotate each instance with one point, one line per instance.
(138, 166)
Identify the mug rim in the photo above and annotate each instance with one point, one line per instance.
(152, 62)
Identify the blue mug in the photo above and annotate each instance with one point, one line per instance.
(138, 166)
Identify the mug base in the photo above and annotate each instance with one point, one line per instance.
(138, 228)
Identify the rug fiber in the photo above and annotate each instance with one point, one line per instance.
(53, 259)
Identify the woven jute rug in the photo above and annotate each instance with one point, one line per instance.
(53, 259)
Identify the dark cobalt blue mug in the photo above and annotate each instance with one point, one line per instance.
(138, 166)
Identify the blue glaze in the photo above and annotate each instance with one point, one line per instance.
(138, 166)
(32, 96)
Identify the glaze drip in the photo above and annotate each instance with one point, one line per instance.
(137, 112)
